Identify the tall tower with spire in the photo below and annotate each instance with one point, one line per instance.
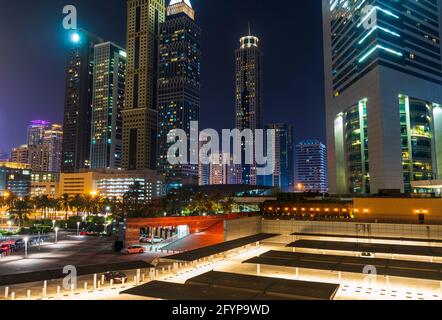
(178, 85)
(249, 96)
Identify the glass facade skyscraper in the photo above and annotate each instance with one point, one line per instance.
(78, 102)
(178, 86)
(283, 176)
(108, 102)
(383, 91)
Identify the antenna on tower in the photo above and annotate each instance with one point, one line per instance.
(250, 32)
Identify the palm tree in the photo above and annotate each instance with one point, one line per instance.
(78, 203)
(20, 209)
(65, 203)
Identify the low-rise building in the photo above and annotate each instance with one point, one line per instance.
(44, 184)
(15, 178)
(111, 183)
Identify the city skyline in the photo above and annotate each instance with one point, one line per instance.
(52, 108)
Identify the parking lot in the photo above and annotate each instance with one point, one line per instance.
(70, 250)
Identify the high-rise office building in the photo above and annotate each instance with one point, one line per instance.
(311, 167)
(78, 101)
(140, 108)
(178, 86)
(36, 130)
(249, 97)
(383, 93)
(283, 176)
(107, 105)
(20, 154)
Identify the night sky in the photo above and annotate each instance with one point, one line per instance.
(34, 45)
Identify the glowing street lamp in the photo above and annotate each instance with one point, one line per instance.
(78, 229)
(6, 194)
(9, 226)
(75, 37)
(53, 224)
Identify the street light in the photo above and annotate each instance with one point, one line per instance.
(78, 229)
(9, 226)
(26, 239)
(56, 234)
(53, 224)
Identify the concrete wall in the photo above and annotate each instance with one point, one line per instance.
(287, 227)
(240, 228)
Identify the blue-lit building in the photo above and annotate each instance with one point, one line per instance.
(383, 73)
(311, 167)
(283, 176)
(107, 106)
(178, 86)
(15, 178)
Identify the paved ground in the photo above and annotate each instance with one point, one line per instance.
(76, 251)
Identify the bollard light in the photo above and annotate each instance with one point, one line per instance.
(26, 239)
(56, 234)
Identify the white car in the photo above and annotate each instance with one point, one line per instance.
(133, 250)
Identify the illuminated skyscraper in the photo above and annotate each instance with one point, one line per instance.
(36, 130)
(53, 140)
(78, 102)
(249, 96)
(383, 93)
(107, 105)
(46, 156)
(140, 109)
(178, 85)
(311, 167)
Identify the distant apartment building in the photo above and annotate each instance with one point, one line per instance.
(311, 167)
(44, 151)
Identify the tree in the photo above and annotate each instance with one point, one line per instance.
(78, 203)
(43, 203)
(20, 209)
(65, 204)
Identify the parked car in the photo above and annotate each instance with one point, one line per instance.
(133, 250)
(20, 243)
(367, 255)
(150, 240)
(116, 276)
